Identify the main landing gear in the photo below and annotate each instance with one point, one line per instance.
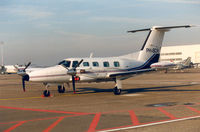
(118, 86)
(61, 89)
(46, 93)
(117, 91)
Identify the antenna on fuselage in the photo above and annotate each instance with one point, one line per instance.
(91, 55)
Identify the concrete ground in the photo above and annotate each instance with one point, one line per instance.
(149, 102)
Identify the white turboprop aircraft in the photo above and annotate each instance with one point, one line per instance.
(91, 69)
(165, 65)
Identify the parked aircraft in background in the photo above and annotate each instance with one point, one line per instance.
(165, 65)
(18, 69)
(77, 70)
(10, 69)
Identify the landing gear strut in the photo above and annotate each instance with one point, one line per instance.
(61, 89)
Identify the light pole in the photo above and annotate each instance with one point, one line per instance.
(2, 61)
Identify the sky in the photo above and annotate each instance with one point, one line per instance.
(47, 31)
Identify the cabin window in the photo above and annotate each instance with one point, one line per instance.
(86, 64)
(65, 63)
(106, 64)
(116, 64)
(75, 63)
(95, 64)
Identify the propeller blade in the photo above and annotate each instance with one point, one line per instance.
(16, 67)
(73, 84)
(23, 84)
(24, 78)
(78, 64)
(27, 65)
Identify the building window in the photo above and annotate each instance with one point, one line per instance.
(172, 59)
(172, 53)
(95, 64)
(86, 64)
(106, 64)
(116, 64)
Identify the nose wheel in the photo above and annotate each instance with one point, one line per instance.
(46, 93)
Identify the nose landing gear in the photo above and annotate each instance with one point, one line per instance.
(46, 92)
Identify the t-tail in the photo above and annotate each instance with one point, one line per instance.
(150, 51)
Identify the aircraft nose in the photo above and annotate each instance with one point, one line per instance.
(48, 74)
(35, 75)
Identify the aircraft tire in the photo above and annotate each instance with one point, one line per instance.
(46, 93)
(116, 91)
(61, 89)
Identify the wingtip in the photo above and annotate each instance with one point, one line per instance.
(193, 25)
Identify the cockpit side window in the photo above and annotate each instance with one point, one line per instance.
(65, 63)
(74, 63)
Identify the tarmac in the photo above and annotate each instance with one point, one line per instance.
(153, 102)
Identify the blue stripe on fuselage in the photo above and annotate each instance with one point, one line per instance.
(153, 59)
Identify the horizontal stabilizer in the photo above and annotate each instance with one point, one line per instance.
(170, 27)
(160, 28)
(140, 30)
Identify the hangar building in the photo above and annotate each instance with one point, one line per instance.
(181, 52)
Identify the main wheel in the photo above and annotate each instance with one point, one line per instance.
(61, 89)
(116, 91)
(46, 93)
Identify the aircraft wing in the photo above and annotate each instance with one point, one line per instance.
(130, 72)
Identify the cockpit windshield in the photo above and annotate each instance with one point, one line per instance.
(65, 63)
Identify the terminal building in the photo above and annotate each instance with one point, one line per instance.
(180, 53)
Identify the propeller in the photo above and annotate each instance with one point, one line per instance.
(22, 72)
(73, 73)
(73, 84)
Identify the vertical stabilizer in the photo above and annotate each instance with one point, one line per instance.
(152, 45)
(150, 51)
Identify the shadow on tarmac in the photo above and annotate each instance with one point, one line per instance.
(86, 90)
